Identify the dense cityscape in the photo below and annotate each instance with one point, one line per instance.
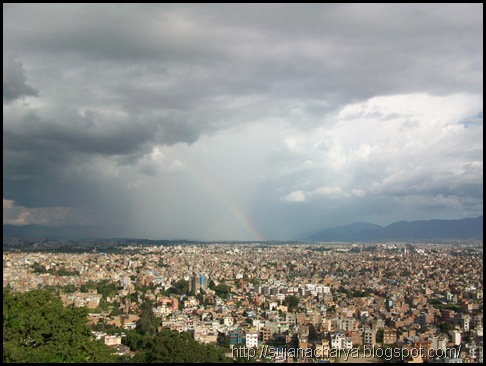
(271, 301)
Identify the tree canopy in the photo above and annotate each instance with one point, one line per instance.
(38, 328)
(179, 287)
(171, 346)
(292, 302)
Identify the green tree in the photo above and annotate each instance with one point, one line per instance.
(38, 328)
(172, 346)
(68, 288)
(445, 327)
(38, 268)
(292, 302)
(116, 309)
(179, 287)
(148, 322)
(222, 291)
(62, 271)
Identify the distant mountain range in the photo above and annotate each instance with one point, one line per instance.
(470, 228)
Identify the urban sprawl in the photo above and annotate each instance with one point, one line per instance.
(283, 302)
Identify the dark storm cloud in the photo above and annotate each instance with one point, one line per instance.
(14, 79)
(369, 47)
(41, 153)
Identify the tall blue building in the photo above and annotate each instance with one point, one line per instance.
(236, 337)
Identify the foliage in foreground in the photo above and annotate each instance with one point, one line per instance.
(167, 345)
(170, 346)
(38, 328)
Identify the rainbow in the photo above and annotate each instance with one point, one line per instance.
(237, 212)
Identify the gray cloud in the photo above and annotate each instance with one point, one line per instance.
(14, 79)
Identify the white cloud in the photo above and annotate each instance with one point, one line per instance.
(358, 192)
(177, 166)
(332, 192)
(295, 196)
(392, 146)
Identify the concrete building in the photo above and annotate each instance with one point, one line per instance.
(369, 337)
(389, 336)
(455, 336)
(251, 339)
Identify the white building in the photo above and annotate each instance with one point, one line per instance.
(348, 323)
(251, 340)
(112, 340)
(340, 341)
(455, 336)
(439, 343)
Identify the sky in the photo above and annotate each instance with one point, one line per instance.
(241, 121)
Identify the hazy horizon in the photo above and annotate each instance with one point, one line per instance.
(111, 233)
